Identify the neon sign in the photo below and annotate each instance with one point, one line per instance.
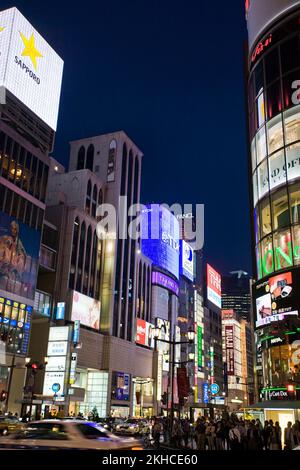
(261, 47)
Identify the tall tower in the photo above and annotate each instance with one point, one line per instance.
(273, 74)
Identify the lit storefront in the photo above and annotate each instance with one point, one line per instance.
(274, 131)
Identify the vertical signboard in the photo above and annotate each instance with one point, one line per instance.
(229, 344)
(200, 345)
(73, 365)
(214, 292)
(205, 393)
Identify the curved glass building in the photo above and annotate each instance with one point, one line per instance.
(273, 85)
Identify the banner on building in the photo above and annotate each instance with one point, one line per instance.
(182, 383)
(229, 343)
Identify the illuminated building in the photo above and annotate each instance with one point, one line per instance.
(274, 136)
(96, 282)
(238, 360)
(236, 293)
(30, 94)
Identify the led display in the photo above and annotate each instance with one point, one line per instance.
(160, 238)
(29, 68)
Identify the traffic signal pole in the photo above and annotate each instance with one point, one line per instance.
(9, 382)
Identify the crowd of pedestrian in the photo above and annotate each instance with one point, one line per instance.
(233, 433)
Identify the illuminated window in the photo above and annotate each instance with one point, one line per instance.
(292, 124)
(295, 203)
(277, 169)
(261, 145)
(255, 189)
(263, 179)
(283, 250)
(275, 134)
(280, 209)
(253, 154)
(265, 217)
(267, 256)
(293, 161)
(296, 244)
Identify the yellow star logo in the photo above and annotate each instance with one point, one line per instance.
(30, 49)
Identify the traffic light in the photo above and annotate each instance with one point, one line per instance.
(33, 366)
(3, 395)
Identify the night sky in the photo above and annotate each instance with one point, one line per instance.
(170, 74)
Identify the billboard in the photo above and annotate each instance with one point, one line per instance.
(186, 260)
(15, 324)
(29, 68)
(144, 333)
(160, 238)
(163, 280)
(86, 310)
(214, 292)
(276, 298)
(19, 256)
(229, 345)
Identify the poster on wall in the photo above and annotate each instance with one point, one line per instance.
(19, 256)
(276, 298)
(86, 310)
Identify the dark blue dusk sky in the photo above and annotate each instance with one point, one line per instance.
(170, 74)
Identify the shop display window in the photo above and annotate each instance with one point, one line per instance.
(282, 364)
(267, 256)
(277, 169)
(283, 249)
(296, 244)
(293, 161)
(275, 134)
(292, 124)
(265, 217)
(263, 179)
(280, 209)
(261, 145)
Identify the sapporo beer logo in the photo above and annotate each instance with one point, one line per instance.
(30, 50)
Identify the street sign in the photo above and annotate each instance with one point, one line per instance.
(214, 388)
(56, 387)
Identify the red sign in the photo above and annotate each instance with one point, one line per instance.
(229, 343)
(261, 47)
(141, 331)
(213, 286)
(227, 314)
(182, 383)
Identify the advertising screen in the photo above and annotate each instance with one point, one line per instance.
(52, 378)
(144, 333)
(86, 310)
(19, 255)
(29, 68)
(160, 238)
(276, 298)
(161, 279)
(120, 386)
(186, 260)
(214, 286)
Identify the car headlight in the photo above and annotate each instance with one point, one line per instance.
(118, 427)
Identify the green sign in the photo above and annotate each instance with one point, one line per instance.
(200, 341)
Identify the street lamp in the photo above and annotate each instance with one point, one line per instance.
(173, 343)
(141, 383)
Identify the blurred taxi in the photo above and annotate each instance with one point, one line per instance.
(67, 434)
(9, 424)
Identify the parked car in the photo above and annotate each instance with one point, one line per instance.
(67, 434)
(9, 424)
